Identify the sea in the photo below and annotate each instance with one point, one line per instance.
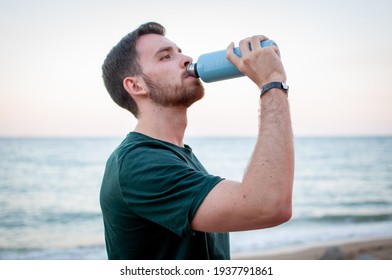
(49, 193)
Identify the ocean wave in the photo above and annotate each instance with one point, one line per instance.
(339, 219)
(22, 219)
(93, 252)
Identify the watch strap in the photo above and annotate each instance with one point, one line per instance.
(269, 86)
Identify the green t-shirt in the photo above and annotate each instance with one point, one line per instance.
(150, 193)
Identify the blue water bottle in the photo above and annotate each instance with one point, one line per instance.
(214, 66)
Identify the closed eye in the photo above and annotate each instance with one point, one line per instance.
(167, 52)
(165, 57)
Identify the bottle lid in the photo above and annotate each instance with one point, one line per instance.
(192, 70)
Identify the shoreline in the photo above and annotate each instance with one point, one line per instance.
(353, 249)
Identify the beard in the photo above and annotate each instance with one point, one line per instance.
(174, 95)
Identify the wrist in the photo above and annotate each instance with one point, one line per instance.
(274, 85)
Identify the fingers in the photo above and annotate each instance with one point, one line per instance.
(259, 64)
(255, 41)
(251, 43)
(231, 56)
(245, 45)
(276, 50)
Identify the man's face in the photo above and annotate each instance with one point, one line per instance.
(164, 72)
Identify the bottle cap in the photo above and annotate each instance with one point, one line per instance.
(192, 70)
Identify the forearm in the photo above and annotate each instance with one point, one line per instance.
(269, 176)
(263, 198)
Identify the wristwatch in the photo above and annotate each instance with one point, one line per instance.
(268, 86)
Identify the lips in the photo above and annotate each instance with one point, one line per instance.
(186, 75)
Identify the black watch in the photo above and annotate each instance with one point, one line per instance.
(268, 86)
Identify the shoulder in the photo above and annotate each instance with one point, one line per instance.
(145, 148)
(140, 153)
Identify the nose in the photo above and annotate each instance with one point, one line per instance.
(185, 61)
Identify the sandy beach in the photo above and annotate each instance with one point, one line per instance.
(357, 249)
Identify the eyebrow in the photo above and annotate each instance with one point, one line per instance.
(168, 48)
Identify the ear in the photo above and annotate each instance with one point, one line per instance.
(134, 86)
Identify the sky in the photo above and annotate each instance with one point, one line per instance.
(337, 55)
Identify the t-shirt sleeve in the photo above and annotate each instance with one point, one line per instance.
(160, 186)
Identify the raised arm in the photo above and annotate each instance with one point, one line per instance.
(264, 197)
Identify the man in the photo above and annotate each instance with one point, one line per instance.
(158, 201)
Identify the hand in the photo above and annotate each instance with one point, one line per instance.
(261, 65)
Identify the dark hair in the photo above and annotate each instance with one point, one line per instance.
(122, 61)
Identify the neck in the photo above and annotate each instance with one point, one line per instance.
(162, 123)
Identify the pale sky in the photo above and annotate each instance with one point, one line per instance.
(337, 55)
